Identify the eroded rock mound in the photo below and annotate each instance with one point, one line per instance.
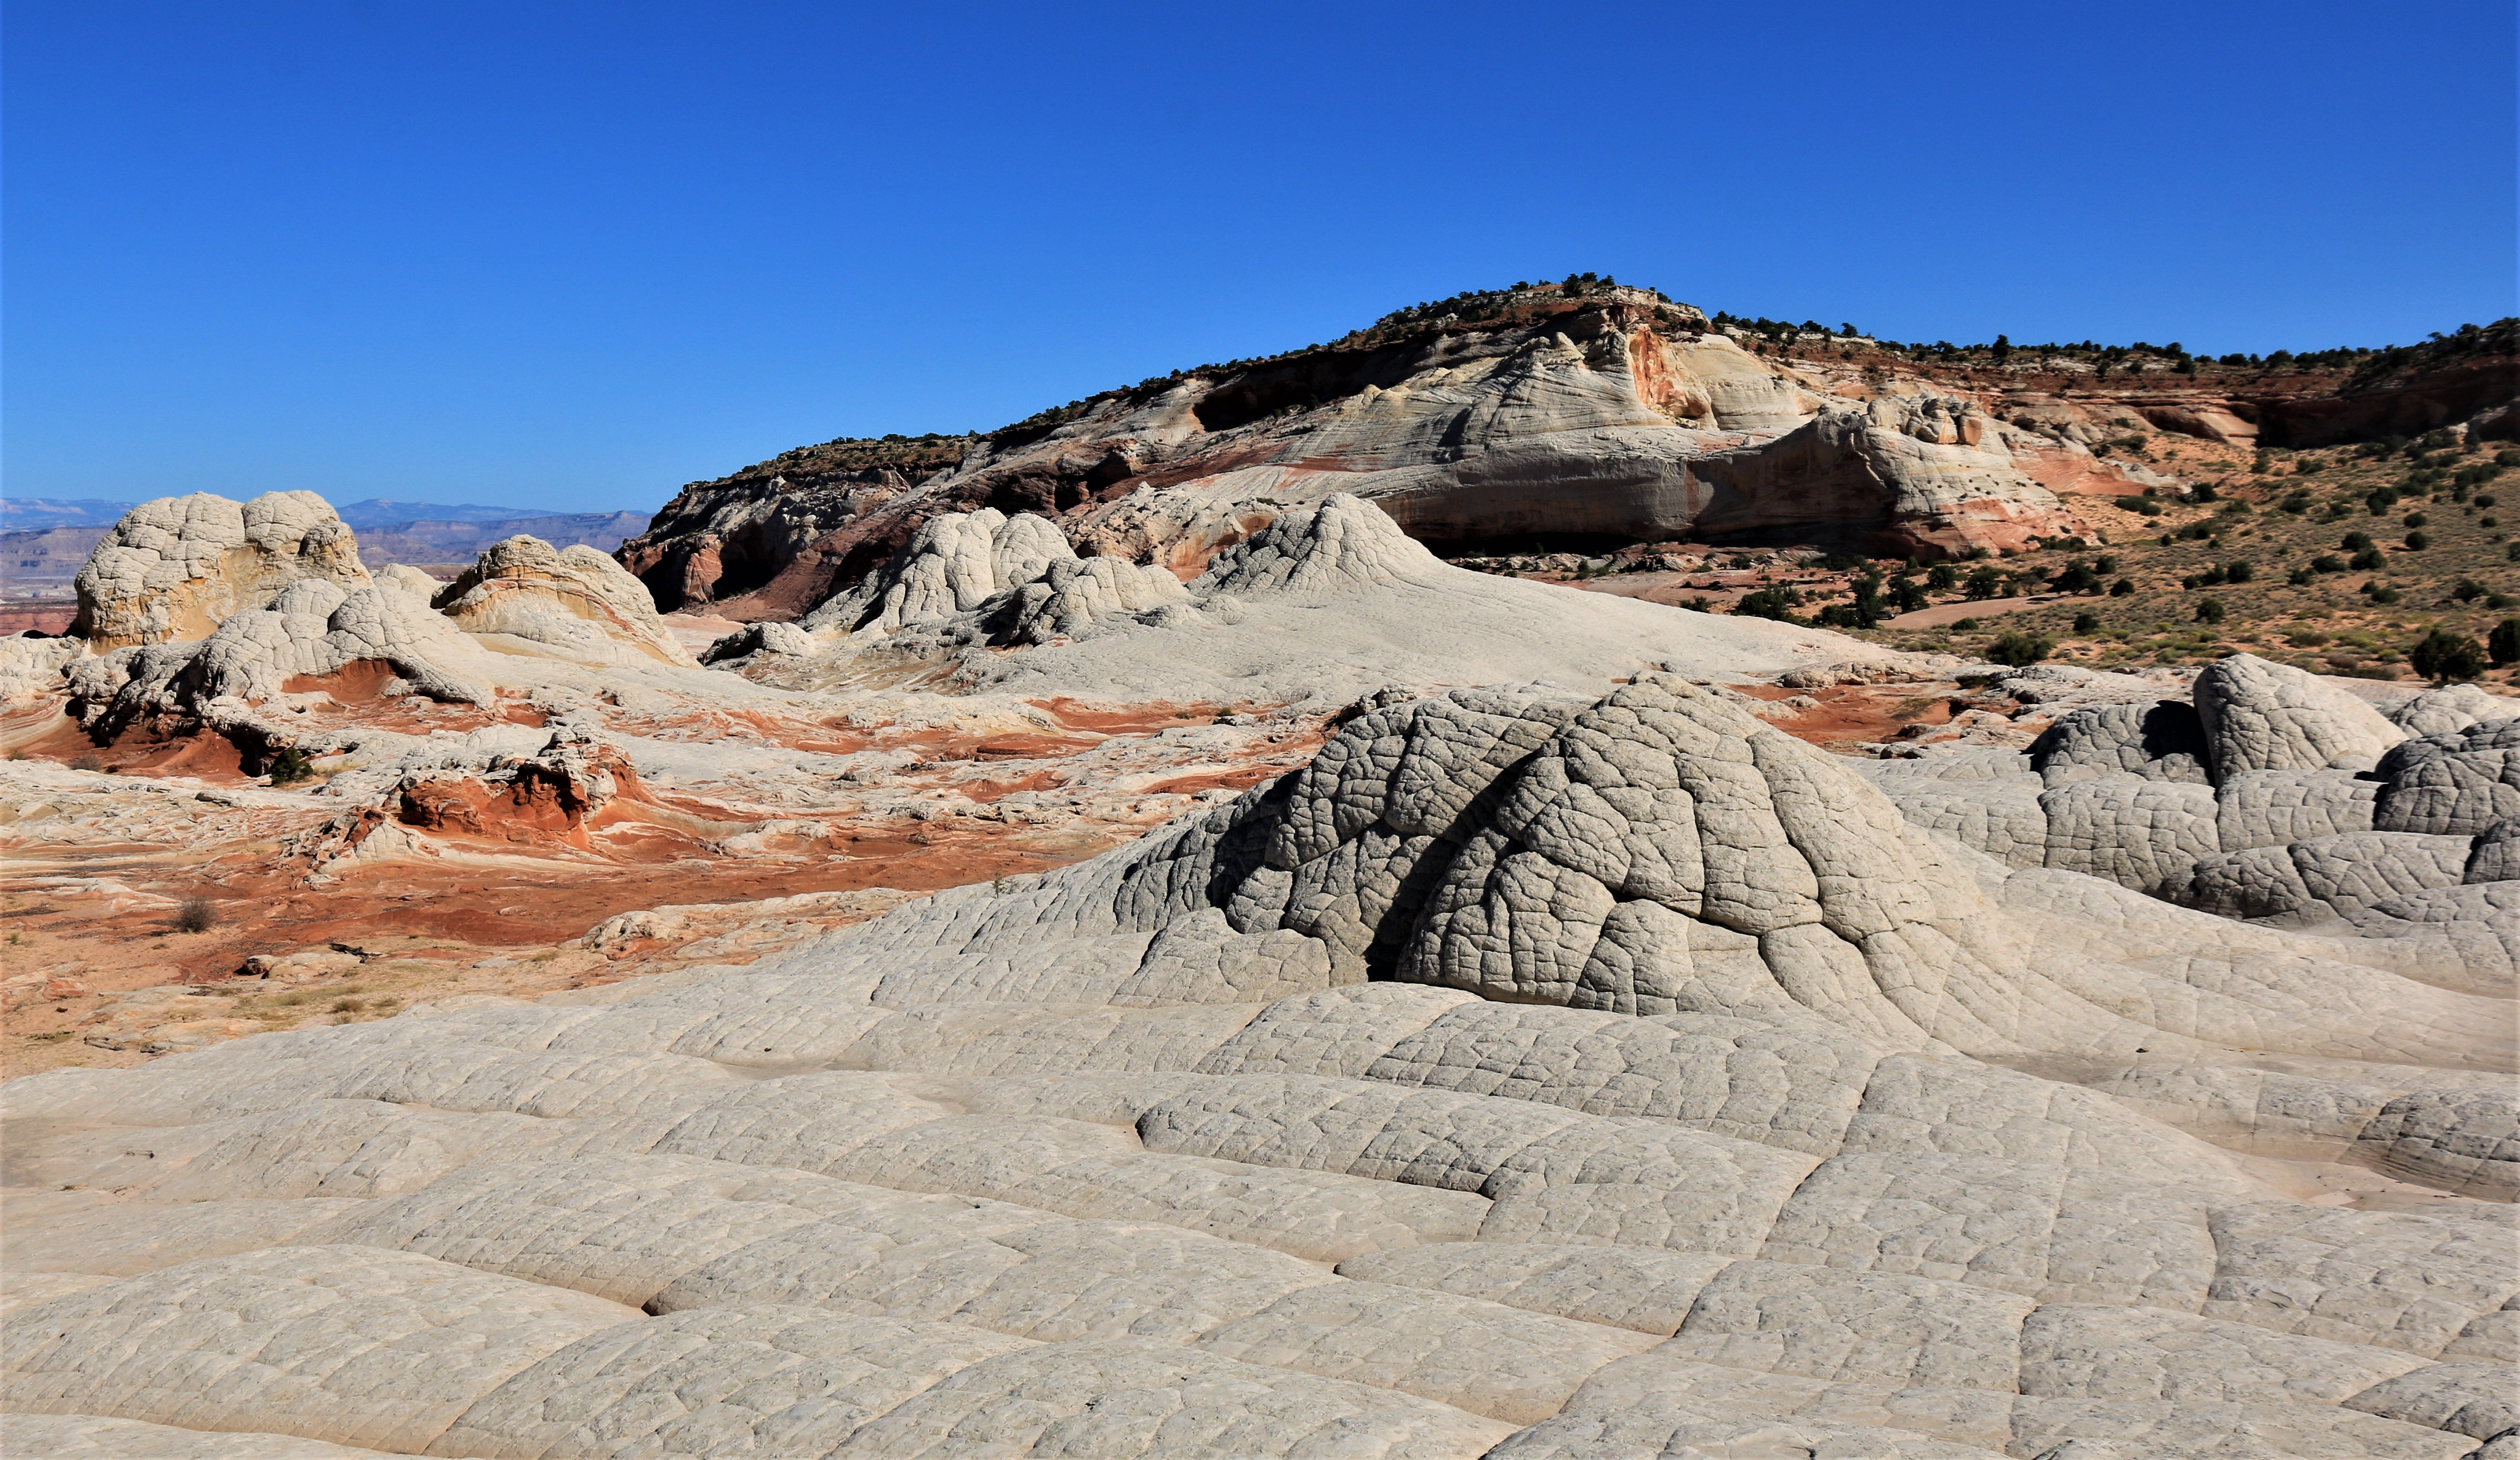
(311, 633)
(1013, 578)
(770, 637)
(1343, 543)
(2269, 716)
(177, 567)
(277, 621)
(551, 798)
(573, 602)
(2274, 797)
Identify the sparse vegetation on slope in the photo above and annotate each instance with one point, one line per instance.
(2342, 562)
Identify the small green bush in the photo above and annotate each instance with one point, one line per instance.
(2441, 657)
(2018, 650)
(2502, 644)
(1778, 603)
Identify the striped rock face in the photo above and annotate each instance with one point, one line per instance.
(1533, 1074)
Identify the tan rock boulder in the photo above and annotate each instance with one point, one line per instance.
(2204, 420)
(574, 603)
(179, 566)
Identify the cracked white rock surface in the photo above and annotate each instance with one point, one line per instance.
(1533, 1074)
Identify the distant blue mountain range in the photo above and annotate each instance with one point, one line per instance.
(384, 512)
(46, 538)
(35, 513)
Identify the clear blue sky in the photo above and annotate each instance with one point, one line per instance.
(571, 256)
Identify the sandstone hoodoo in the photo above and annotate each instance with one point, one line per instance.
(1109, 944)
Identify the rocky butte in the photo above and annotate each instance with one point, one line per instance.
(1480, 1028)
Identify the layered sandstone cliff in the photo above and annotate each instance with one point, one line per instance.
(1499, 418)
(1612, 416)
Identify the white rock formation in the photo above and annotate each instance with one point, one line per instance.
(1532, 1075)
(2274, 798)
(1074, 593)
(574, 603)
(1325, 604)
(1639, 423)
(311, 631)
(771, 638)
(177, 567)
(2454, 707)
(2269, 716)
(32, 667)
(524, 623)
(1013, 578)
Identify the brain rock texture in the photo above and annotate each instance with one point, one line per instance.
(178, 567)
(2275, 797)
(1015, 576)
(1529, 1075)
